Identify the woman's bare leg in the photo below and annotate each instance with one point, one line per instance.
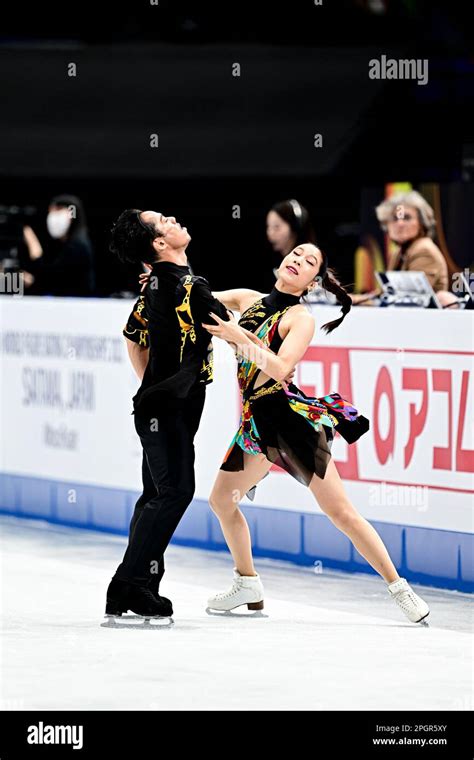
(332, 498)
(228, 490)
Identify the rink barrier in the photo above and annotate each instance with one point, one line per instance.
(440, 558)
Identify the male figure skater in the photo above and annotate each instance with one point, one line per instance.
(172, 352)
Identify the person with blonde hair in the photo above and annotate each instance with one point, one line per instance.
(409, 221)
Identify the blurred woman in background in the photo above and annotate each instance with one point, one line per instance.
(409, 221)
(67, 269)
(288, 225)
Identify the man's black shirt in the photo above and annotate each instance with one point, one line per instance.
(172, 372)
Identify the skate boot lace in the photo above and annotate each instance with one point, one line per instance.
(149, 596)
(234, 589)
(407, 598)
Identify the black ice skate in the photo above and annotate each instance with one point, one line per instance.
(140, 600)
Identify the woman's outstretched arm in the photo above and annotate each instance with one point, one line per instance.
(232, 299)
(278, 366)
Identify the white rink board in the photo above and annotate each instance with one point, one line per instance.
(66, 388)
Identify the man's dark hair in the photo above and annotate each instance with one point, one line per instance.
(131, 239)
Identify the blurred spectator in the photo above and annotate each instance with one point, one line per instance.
(67, 268)
(410, 223)
(288, 225)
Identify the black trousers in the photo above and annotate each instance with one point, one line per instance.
(167, 438)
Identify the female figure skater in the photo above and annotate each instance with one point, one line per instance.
(281, 425)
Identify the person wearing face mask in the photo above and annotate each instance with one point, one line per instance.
(67, 268)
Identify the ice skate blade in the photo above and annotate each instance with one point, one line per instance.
(234, 613)
(156, 622)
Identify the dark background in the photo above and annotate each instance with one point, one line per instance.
(224, 140)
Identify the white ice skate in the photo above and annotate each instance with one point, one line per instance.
(245, 589)
(410, 603)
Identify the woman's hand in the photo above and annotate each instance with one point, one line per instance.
(33, 244)
(281, 368)
(144, 277)
(229, 331)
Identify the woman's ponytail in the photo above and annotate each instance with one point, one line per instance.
(330, 283)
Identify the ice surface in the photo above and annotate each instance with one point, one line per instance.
(326, 641)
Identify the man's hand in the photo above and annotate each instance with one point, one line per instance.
(144, 277)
